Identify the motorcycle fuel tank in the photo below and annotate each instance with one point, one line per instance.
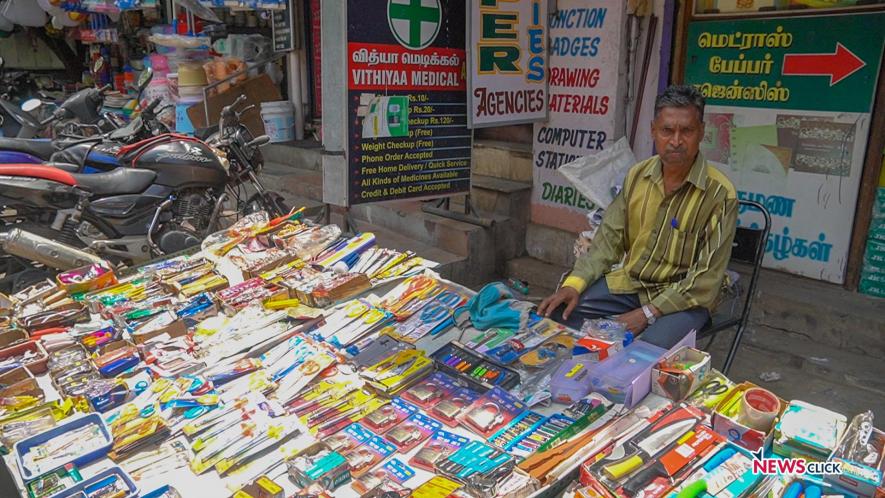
(182, 164)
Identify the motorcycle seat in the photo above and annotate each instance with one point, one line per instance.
(116, 182)
(38, 171)
(70, 168)
(39, 148)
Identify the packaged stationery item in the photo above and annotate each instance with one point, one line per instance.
(491, 411)
(440, 445)
(680, 373)
(54, 482)
(432, 390)
(352, 436)
(437, 487)
(475, 370)
(364, 457)
(449, 409)
(389, 415)
(398, 372)
(393, 470)
(508, 435)
(571, 381)
(478, 465)
(87, 278)
(626, 376)
(807, 431)
(316, 464)
(30, 355)
(79, 441)
(412, 432)
(110, 483)
(861, 452)
(262, 487)
(728, 421)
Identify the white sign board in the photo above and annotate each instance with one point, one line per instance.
(585, 53)
(507, 61)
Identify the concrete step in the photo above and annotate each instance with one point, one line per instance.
(304, 154)
(450, 264)
(506, 160)
(474, 243)
(490, 194)
(542, 278)
(550, 245)
(806, 310)
(304, 183)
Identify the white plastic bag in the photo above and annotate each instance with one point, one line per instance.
(600, 176)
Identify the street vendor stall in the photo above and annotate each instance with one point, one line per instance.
(286, 358)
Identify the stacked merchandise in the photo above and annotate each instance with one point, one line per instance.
(872, 279)
(286, 358)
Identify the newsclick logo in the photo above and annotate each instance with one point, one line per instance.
(794, 466)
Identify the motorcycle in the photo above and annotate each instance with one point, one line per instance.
(168, 198)
(78, 115)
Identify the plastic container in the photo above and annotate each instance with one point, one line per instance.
(626, 376)
(21, 448)
(80, 488)
(572, 381)
(279, 120)
(183, 122)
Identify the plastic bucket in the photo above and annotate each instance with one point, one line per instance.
(279, 120)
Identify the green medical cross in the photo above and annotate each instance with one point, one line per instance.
(415, 13)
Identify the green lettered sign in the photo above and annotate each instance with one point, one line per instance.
(825, 63)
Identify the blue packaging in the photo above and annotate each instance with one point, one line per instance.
(81, 488)
(21, 448)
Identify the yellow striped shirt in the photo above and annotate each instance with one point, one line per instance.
(671, 250)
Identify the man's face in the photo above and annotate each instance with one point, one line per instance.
(677, 132)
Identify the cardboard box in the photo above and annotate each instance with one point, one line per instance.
(862, 478)
(675, 383)
(736, 432)
(257, 90)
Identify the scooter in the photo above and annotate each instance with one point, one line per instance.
(78, 115)
(168, 198)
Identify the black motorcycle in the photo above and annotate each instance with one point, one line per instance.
(167, 198)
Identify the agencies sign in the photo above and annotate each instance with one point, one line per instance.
(406, 105)
(787, 118)
(508, 61)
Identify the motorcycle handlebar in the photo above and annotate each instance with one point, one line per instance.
(153, 105)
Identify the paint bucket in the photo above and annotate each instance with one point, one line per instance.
(279, 120)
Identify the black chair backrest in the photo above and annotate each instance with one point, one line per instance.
(749, 242)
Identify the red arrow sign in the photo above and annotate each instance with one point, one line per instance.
(838, 65)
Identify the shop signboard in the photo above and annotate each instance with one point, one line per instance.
(508, 62)
(584, 86)
(283, 28)
(787, 119)
(406, 100)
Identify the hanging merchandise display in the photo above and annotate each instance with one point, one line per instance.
(256, 366)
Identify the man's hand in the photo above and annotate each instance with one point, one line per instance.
(565, 295)
(635, 321)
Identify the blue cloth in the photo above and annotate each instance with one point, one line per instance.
(495, 306)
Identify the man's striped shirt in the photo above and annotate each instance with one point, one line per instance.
(671, 250)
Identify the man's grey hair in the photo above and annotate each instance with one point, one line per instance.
(681, 96)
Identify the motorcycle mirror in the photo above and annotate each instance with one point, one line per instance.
(99, 64)
(2, 62)
(259, 141)
(144, 79)
(32, 105)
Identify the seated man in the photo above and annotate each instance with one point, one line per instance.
(658, 261)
